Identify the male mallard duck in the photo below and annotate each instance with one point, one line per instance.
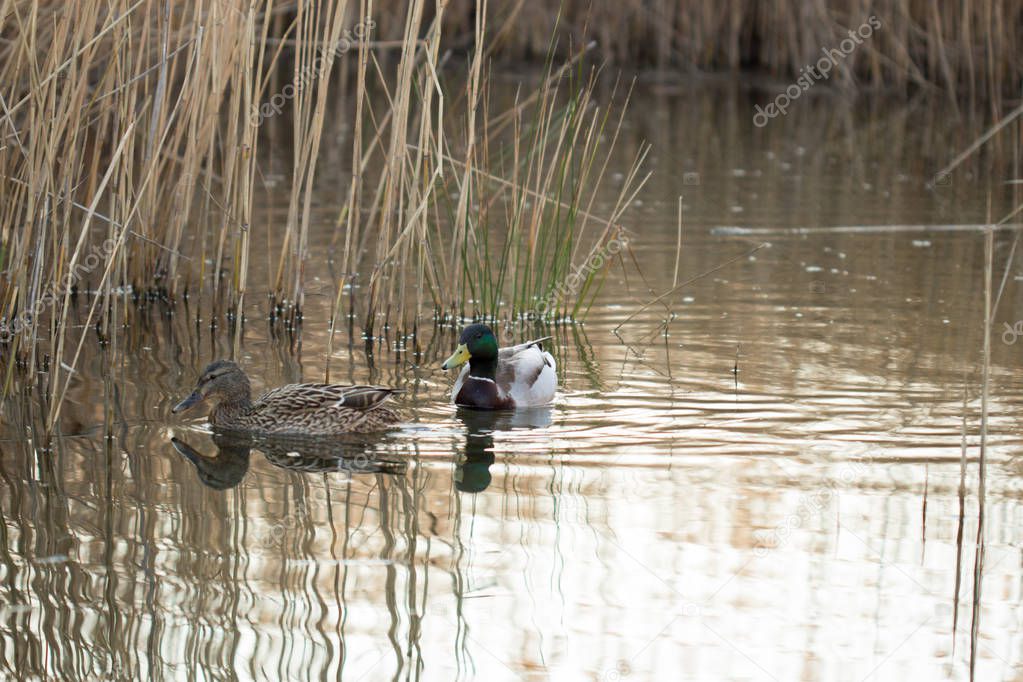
(519, 376)
(310, 409)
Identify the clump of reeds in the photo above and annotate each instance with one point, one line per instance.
(480, 216)
(129, 167)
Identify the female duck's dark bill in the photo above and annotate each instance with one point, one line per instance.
(187, 402)
(458, 358)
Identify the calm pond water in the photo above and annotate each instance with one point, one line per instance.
(757, 480)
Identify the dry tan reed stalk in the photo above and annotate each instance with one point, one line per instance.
(979, 549)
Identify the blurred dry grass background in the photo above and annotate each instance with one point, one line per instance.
(972, 50)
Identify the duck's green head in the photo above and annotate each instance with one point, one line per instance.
(477, 342)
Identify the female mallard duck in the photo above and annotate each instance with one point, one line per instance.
(309, 409)
(519, 376)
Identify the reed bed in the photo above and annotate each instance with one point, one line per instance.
(129, 165)
(124, 124)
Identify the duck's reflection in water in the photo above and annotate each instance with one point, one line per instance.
(472, 474)
(228, 467)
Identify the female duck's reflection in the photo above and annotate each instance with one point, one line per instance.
(228, 467)
(473, 472)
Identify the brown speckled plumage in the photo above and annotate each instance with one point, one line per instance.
(310, 409)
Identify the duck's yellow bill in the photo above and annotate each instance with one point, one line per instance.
(458, 358)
